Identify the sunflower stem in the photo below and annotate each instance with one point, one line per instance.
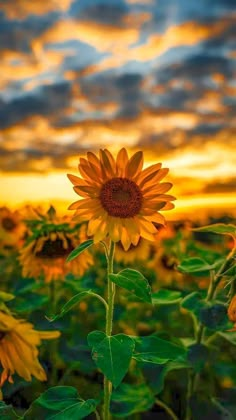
(53, 344)
(109, 318)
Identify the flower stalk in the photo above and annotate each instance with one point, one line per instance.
(111, 288)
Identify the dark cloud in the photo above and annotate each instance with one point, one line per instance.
(219, 186)
(47, 100)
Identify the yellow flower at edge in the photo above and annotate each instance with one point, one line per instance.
(12, 229)
(18, 348)
(120, 198)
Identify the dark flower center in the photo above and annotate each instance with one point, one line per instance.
(55, 249)
(8, 223)
(2, 335)
(168, 263)
(121, 197)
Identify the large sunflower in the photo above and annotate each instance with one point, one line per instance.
(120, 199)
(50, 242)
(18, 348)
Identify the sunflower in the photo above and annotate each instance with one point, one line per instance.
(120, 199)
(18, 348)
(51, 240)
(165, 266)
(140, 252)
(12, 229)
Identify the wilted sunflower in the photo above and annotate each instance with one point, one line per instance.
(140, 252)
(51, 240)
(12, 229)
(120, 199)
(18, 348)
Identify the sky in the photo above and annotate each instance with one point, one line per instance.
(153, 75)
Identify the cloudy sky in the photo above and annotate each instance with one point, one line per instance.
(156, 75)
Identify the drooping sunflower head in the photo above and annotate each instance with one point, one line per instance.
(12, 229)
(48, 245)
(120, 199)
(18, 348)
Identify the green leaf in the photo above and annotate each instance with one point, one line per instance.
(6, 297)
(152, 349)
(95, 337)
(29, 302)
(131, 399)
(69, 305)
(7, 412)
(195, 265)
(220, 228)
(155, 374)
(112, 354)
(198, 356)
(229, 336)
(79, 249)
(193, 303)
(133, 281)
(211, 408)
(165, 297)
(60, 403)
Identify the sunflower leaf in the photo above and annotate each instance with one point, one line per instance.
(79, 249)
(7, 412)
(195, 265)
(166, 297)
(111, 354)
(60, 403)
(220, 228)
(130, 399)
(133, 281)
(69, 305)
(152, 349)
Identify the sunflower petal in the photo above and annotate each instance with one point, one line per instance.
(135, 164)
(121, 162)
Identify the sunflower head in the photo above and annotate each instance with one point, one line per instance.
(50, 241)
(18, 348)
(12, 229)
(120, 199)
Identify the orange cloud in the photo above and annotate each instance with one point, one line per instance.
(20, 9)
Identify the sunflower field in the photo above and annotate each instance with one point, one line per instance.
(109, 311)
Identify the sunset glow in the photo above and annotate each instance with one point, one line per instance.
(84, 75)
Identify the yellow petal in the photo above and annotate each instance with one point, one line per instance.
(121, 162)
(134, 165)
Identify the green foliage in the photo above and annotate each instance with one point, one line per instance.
(195, 265)
(152, 349)
(60, 403)
(198, 356)
(166, 297)
(69, 305)
(131, 399)
(133, 281)
(7, 412)
(79, 249)
(111, 354)
(219, 228)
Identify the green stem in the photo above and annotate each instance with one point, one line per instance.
(166, 408)
(215, 279)
(109, 318)
(54, 343)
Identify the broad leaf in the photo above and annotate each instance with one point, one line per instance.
(229, 336)
(131, 399)
(195, 265)
(77, 251)
(193, 303)
(165, 297)
(69, 305)
(29, 302)
(60, 403)
(198, 356)
(155, 374)
(133, 281)
(152, 349)
(220, 228)
(211, 408)
(7, 412)
(6, 297)
(112, 354)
